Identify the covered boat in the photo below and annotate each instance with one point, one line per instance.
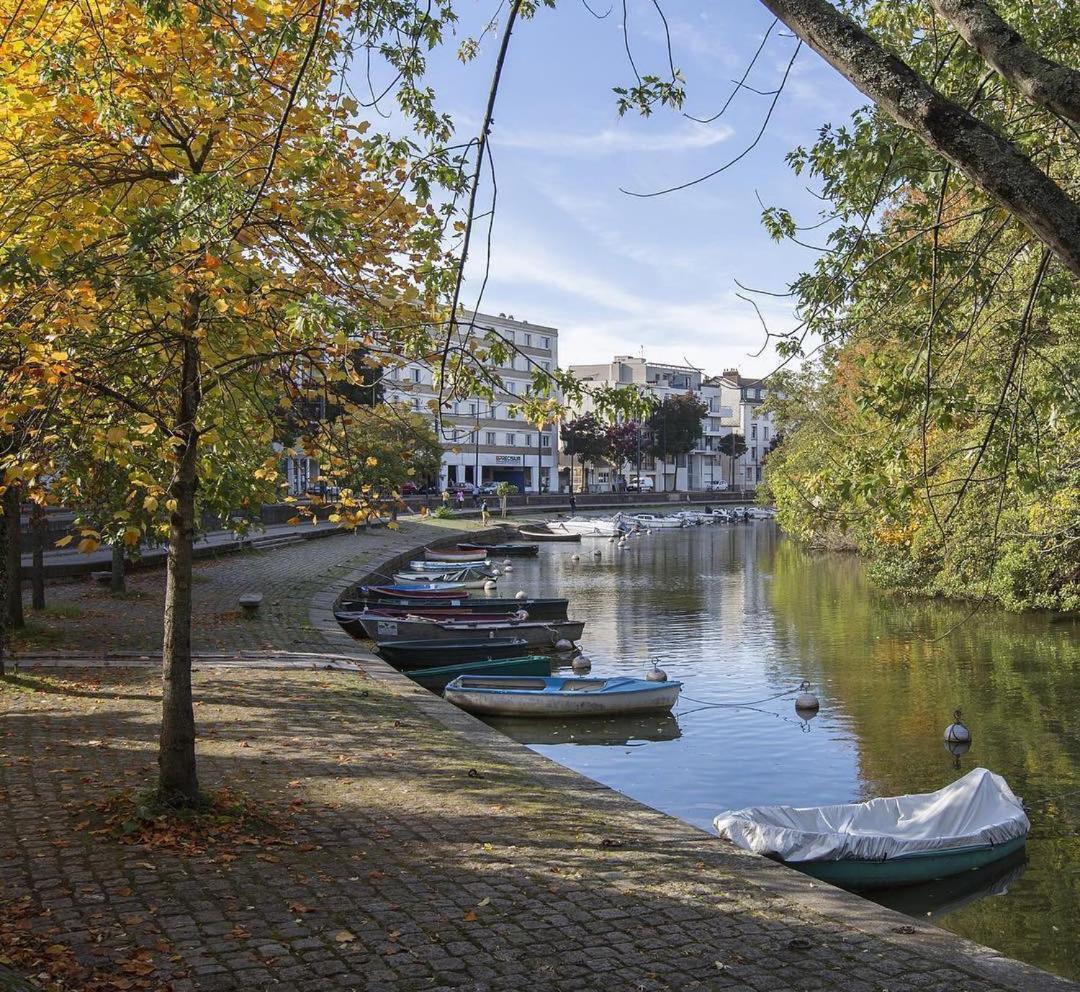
(560, 697)
(437, 678)
(594, 526)
(426, 653)
(889, 841)
(538, 634)
(450, 554)
(543, 534)
(504, 550)
(464, 578)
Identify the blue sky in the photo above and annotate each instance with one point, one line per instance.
(614, 273)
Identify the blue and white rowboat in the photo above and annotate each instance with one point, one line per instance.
(559, 696)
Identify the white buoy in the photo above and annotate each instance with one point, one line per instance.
(520, 594)
(489, 585)
(507, 562)
(656, 674)
(598, 553)
(496, 571)
(611, 540)
(956, 732)
(508, 568)
(563, 645)
(806, 701)
(575, 557)
(581, 664)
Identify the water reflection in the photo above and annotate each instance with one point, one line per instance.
(612, 731)
(740, 614)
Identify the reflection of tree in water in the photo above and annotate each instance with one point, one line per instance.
(897, 668)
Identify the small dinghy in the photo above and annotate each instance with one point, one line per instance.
(464, 578)
(459, 606)
(441, 567)
(560, 697)
(462, 554)
(416, 590)
(889, 841)
(547, 535)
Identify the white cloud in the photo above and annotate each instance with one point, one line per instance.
(615, 140)
(598, 318)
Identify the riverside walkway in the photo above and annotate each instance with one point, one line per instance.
(410, 848)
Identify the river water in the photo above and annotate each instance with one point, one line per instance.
(738, 613)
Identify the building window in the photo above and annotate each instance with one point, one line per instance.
(765, 433)
(528, 340)
(511, 414)
(545, 343)
(417, 375)
(416, 405)
(546, 366)
(472, 409)
(511, 386)
(489, 438)
(545, 440)
(753, 432)
(510, 440)
(528, 440)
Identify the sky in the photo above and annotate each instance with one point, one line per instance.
(623, 275)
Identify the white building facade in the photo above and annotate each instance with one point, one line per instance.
(486, 441)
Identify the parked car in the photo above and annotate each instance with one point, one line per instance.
(488, 488)
(640, 485)
(717, 486)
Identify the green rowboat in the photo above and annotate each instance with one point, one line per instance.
(436, 678)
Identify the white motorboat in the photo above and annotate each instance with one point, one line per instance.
(590, 526)
(655, 522)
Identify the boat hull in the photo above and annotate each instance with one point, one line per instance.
(436, 678)
(442, 567)
(413, 591)
(406, 655)
(514, 702)
(478, 583)
(463, 608)
(504, 550)
(909, 870)
(536, 634)
(546, 535)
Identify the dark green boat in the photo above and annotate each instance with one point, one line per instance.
(436, 678)
(410, 654)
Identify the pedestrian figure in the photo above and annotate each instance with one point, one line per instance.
(460, 498)
(483, 512)
(446, 498)
(573, 503)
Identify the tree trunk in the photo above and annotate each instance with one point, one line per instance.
(13, 527)
(178, 783)
(38, 528)
(1042, 81)
(990, 161)
(4, 591)
(116, 583)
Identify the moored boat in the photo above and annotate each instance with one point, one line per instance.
(656, 522)
(560, 697)
(538, 634)
(425, 653)
(462, 606)
(350, 620)
(534, 534)
(448, 554)
(415, 590)
(442, 567)
(504, 550)
(466, 578)
(889, 841)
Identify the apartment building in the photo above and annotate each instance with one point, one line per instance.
(733, 405)
(486, 441)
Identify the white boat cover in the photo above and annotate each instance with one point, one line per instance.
(976, 810)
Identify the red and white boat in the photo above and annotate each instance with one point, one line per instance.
(433, 555)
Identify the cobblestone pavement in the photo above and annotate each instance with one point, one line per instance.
(85, 617)
(416, 849)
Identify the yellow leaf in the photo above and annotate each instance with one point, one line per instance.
(115, 435)
(65, 541)
(150, 504)
(393, 525)
(145, 429)
(131, 536)
(88, 544)
(293, 520)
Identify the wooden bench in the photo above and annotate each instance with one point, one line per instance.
(250, 602)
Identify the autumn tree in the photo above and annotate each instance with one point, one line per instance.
(625, 441)
(192, 225)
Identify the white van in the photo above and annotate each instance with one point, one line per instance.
(642, 484)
